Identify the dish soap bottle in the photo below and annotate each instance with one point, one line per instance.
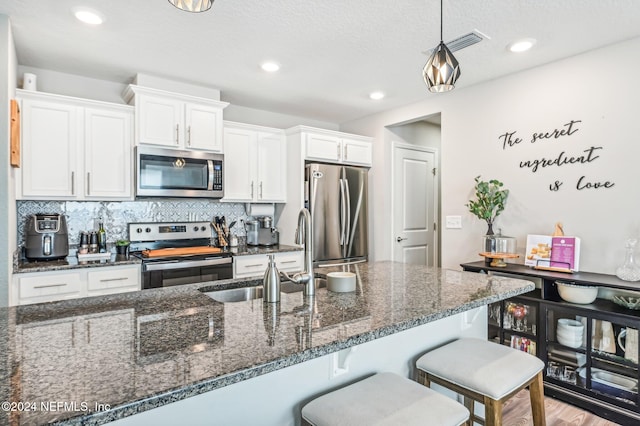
(102, 239)
(271, 282)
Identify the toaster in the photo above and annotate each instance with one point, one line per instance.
(46, 237)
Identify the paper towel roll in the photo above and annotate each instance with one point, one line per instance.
(260, 209)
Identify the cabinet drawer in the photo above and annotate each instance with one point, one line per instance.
(112, 280)
(44, 288)
(250, 266)
(291, 261)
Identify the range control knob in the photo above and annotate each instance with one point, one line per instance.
(139, 230)
(204, 228)
(195, 229)
(147, 230)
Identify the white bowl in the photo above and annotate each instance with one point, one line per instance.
(569, 336)
(341, 282)
(581, 294)
(572, 343)
(570, 325)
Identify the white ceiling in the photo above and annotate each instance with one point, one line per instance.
(332, 52)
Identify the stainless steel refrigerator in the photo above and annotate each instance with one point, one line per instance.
(336, 197)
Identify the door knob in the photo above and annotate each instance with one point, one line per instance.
(400, 239)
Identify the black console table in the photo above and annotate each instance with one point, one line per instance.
(599, 373)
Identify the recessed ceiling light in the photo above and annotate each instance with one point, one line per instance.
(87, 16)
(270, 66)
(376, 96)
(521, 45)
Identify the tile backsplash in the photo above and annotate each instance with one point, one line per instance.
(85, 215)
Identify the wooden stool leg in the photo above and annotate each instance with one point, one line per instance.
(536, 396)
(492, 412)
(469, 403)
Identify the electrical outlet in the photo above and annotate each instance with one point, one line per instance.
(453, 222)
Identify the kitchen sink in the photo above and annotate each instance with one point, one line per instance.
(232, 295)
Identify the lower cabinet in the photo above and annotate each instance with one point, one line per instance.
(256, 264)
(37, 287)
(590, 350)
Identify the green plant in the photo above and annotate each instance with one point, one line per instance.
(122, 242)
(490, 201)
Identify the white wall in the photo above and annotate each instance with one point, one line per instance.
(537, 100)
(8, 64)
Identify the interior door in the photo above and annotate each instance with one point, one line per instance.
(414, 201)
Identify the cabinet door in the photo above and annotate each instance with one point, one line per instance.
(356, 152)
(49, 133)
(323, 147)
(271, 159)
(203, 127)
(290, 261)
(159, 120)
(108, 146)
(250, 266)
(239, 171)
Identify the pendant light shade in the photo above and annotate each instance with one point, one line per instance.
(192, 5)
(442, 69)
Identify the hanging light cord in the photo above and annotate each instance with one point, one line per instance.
(440, 21)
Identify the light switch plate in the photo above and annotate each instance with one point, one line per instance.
(453, 222)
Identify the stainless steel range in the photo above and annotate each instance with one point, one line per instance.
(177, 253)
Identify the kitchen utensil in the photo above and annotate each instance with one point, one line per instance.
(182, 251)
(46, 237)
(577, 293)
(630, 346)
(610, 383)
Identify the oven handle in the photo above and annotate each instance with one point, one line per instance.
(182, 264)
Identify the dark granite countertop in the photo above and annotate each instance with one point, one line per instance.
(136, 351)
(22, 265)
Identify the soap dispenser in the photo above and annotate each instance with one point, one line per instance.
(271, 282)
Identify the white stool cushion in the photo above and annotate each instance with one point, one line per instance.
(484, 367)
(384, 399)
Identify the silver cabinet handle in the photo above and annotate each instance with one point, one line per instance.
(288, 261)
(88, 183)
(73, 185)
(253, 266)
(189, 136)
(113, 279)
(338, 148)
(345, 152)
(251, 189)
(177, 134)
(261, 190)
(399, 239)
(50, 285)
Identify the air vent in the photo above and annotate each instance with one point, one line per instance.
(462, 42)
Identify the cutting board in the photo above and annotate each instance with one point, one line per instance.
(181, 251)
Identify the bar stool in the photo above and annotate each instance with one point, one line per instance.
(384, 399)
(486, 372)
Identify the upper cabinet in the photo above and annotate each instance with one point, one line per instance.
(336, 147)
(74, 149)
(176, 121)
(256, 159)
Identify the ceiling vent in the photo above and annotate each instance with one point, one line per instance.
(461, 42)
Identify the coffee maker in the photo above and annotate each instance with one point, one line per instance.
(46, 237)
(267, 235)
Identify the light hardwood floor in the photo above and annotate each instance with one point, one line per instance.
(517, 412)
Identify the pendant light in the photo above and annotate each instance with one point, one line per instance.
(442, 69)
(192, 5)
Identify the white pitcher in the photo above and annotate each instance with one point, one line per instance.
(630, 346)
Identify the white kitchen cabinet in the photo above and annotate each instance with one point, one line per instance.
(255, 265)
(255, 159)
(336, 147)
(176, 121)
(74, 149)
(37, 287)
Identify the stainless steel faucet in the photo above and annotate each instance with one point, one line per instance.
(304, 237)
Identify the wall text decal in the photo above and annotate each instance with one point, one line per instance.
(510, 139)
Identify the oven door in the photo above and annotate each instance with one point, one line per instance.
(170, 273)
(173, 173)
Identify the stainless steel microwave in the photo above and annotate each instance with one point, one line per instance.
(164, 172)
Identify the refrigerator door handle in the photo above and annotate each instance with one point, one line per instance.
(343, 220)
(348, 202)
(356, 215)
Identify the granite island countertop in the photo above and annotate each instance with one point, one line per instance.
(109, 357)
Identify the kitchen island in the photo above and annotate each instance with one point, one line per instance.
(175, 355)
